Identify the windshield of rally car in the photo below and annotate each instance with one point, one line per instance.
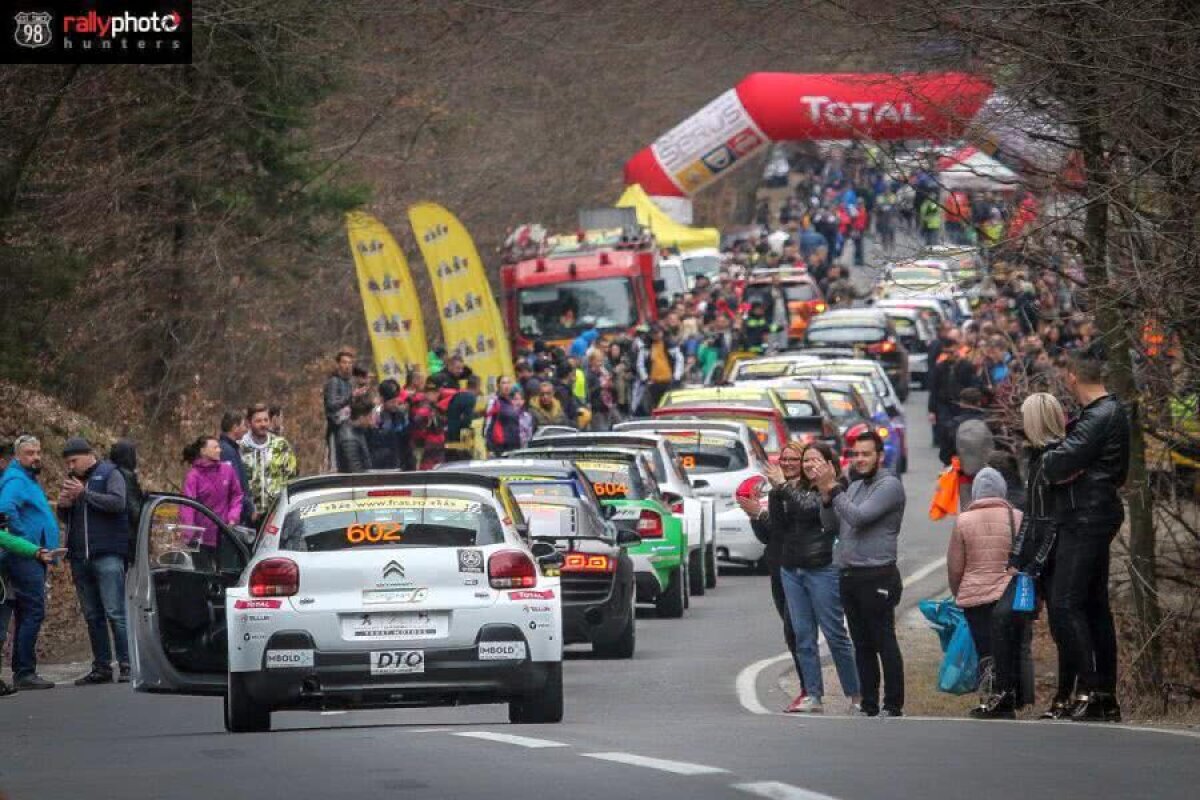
(403, 519)
(703, 453)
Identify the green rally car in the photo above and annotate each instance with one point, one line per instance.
(622, 479)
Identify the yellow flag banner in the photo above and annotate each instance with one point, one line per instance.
(471, 321)
(390, 301)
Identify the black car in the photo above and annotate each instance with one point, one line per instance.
(870, 334)
(561, 508)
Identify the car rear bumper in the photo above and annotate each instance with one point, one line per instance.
(600, 621)
(343, 679)
(735, 538)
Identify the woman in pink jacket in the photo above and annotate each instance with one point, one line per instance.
(214, 483)
(977, 562)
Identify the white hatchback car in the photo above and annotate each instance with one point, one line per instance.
(375, 590)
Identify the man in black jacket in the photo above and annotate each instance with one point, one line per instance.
(92, 505)
(233, 428)
(353, 452)
(943, 384)
(1090, 465)
(338, 392)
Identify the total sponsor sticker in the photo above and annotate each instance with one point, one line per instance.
(243, 604)
(532, 594)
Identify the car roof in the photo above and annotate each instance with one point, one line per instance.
(729, 426)
(366, 480)
(741, 411)
(623, 454)
(551, 468)
(850, 316)
(617, 439)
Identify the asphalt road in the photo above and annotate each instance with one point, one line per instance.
(670, 723)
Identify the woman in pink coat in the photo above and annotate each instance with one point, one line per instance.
(214, 483)
(977, 562)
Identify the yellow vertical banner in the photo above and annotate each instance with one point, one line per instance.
(389, 299)
(471, 322)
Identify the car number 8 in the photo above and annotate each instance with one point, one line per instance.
(373, 532)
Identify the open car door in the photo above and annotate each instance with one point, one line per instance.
(185, 559)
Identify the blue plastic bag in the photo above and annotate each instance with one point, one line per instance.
(959, 672)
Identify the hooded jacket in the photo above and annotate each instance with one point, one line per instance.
(554, 415)
(269, 466)
(980, 545)
(870, 512)
(216, 485)
(124, 455)
(29, 514)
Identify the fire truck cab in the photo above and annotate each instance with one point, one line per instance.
(555, 285)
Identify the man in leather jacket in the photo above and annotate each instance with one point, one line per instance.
(1090, 465)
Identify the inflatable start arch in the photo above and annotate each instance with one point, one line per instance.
(770, 107)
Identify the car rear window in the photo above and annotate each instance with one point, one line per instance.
(703, 453)
(797, 292)
(613, 480)
(847, 334)
(542, 490)
(840, 403)
(682, 398)
(386, 520)
(764, 370)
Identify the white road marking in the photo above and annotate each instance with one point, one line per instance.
(674, 767)
(924, 572)
(333, 713)
(780, 791)
(746, 683)
(507, 738)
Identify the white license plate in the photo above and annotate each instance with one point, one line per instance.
(397, 662)
(380, 627)
(284, 659)
(386, 596)
(501, 651)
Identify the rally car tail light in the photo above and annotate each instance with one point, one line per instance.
(587, 562)
(390, 493)
(886, 346)
(650, 525)
(511, 569)
(275, 577)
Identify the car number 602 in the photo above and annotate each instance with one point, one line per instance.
(373, 532)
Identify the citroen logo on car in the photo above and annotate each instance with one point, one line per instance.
(393, 570)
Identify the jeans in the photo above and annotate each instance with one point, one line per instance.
(27, 582)
(781, 607)
(814, 601)
(100, 584)
(1080, 617)
(6, 608)
(870, 596)
(1011, 635)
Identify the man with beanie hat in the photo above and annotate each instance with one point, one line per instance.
(92, 506)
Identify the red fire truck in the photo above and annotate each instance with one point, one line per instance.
(554, 285)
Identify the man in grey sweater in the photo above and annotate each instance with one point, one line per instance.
(869, 514)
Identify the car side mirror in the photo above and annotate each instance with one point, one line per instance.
(700, 483)
(627, 538)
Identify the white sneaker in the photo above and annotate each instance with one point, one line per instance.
(809, 705)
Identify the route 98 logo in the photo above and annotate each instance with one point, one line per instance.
(33, 29)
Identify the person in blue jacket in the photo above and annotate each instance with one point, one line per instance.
(30, 518)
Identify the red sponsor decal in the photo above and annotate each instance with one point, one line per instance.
(258, 604)
(744, 141)
(531, 594)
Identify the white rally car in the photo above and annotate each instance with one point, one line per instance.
(375, 590)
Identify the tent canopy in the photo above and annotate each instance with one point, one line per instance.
(667, 231)
(973, 170)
